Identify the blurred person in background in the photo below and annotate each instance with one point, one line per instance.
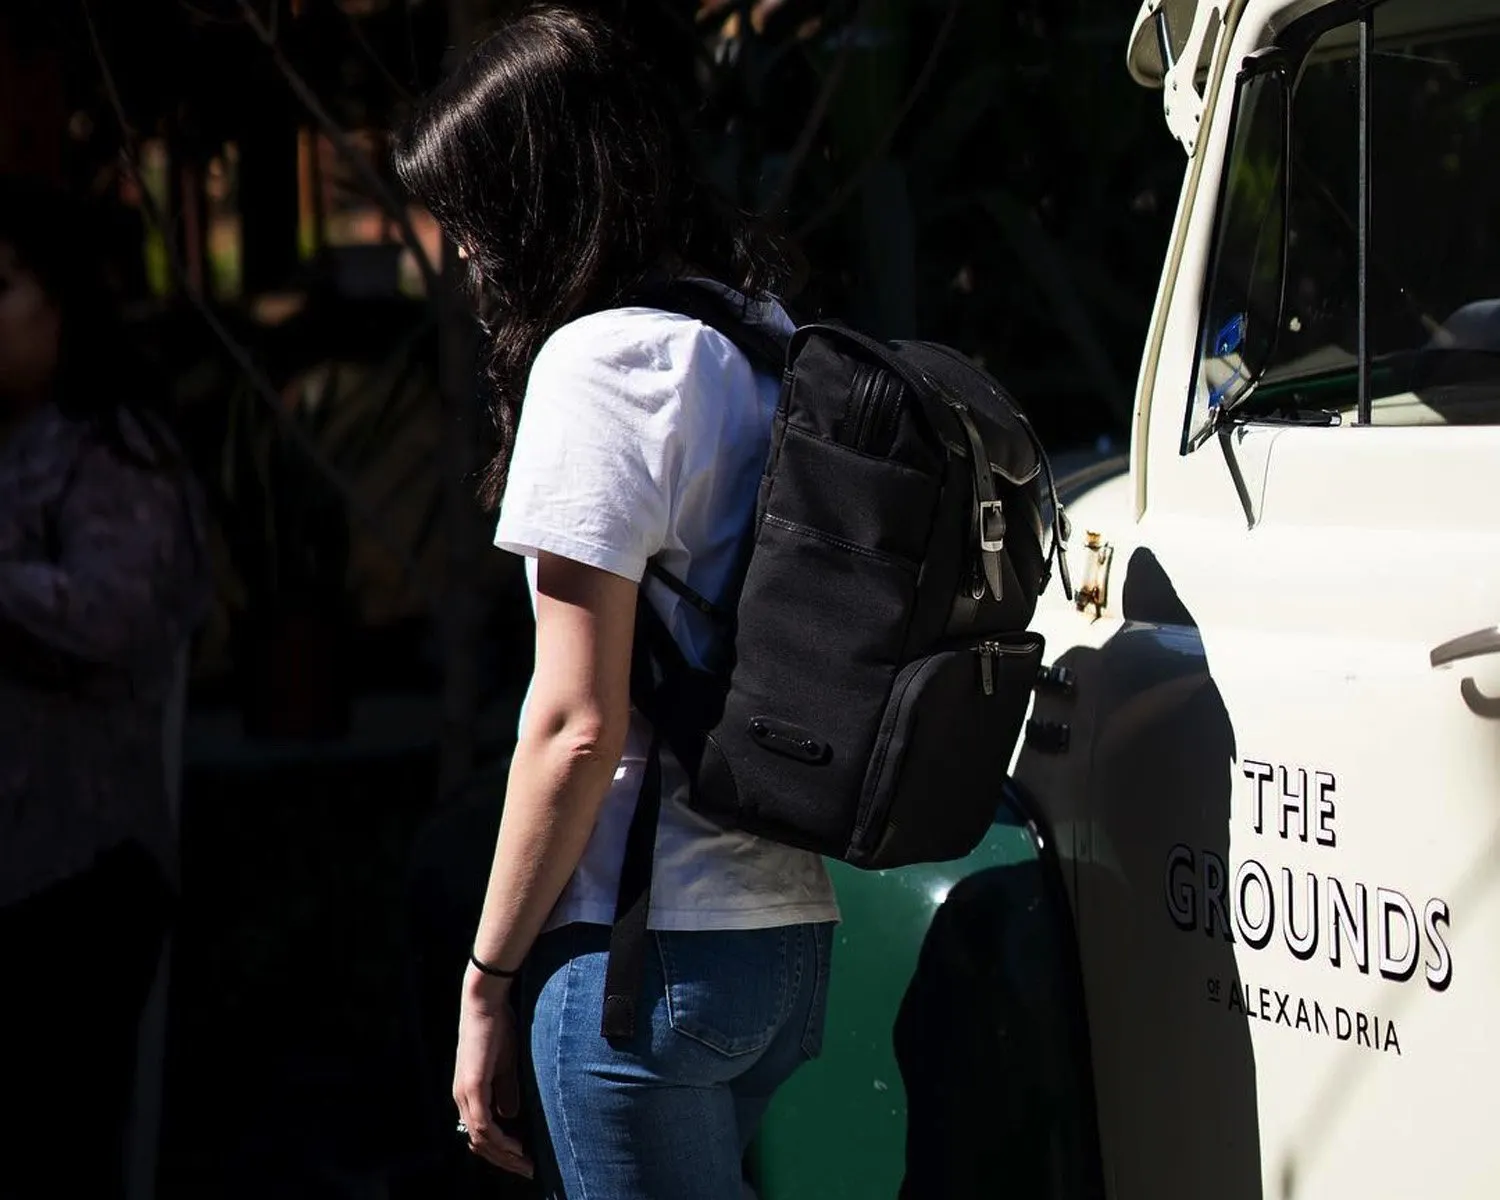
(103, 578)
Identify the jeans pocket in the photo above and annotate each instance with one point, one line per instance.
(727, 989)
(817, 1009)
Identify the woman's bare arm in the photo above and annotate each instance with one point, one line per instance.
(569, 749)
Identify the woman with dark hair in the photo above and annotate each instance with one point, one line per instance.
(102, 578)
(627, 433)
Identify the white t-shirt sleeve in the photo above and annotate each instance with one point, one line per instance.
(596, 448)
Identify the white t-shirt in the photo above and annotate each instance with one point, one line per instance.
(646, 432)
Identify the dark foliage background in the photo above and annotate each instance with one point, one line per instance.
(976, 172)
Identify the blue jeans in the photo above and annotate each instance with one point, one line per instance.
(726, 1017)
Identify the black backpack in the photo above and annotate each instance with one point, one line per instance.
(873, 667)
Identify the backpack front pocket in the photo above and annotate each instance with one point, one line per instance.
(944, 747)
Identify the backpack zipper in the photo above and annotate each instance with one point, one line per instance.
(986, 653)
(989, 654)
(885, 410)
(864, 385)
(879, 403)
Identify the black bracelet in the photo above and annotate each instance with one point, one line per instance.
(493, 972)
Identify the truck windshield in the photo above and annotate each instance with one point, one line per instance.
(1281, 328)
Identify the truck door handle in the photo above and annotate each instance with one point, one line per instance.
(1471, 645)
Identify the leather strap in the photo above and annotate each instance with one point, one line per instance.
(986, 504)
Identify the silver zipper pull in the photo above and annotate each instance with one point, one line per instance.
(987, 668)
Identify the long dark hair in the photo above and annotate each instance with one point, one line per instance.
(555, 157)
(99, 378)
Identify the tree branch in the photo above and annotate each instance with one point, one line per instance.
(264, 389)
(818, 113)
(369, 50)
(378, 190)
(852, 185)
(1054, 277)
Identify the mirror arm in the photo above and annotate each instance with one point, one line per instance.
(1182, 103)
(1164, 41)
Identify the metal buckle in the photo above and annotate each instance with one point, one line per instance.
(991, 526)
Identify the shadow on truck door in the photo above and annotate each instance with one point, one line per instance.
(1033, 1034)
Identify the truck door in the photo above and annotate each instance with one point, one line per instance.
(1289, 851)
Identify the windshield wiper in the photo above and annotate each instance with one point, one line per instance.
(1288, 416)
(1272, 407)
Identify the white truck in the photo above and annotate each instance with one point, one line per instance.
(1276, 781)
(1238, 932)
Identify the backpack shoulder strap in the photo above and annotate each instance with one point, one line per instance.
(765, 348)
(720, 616)
(662, 684)
(625, 968)
(657, 669)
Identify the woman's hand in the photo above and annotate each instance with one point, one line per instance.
(485, 1083)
